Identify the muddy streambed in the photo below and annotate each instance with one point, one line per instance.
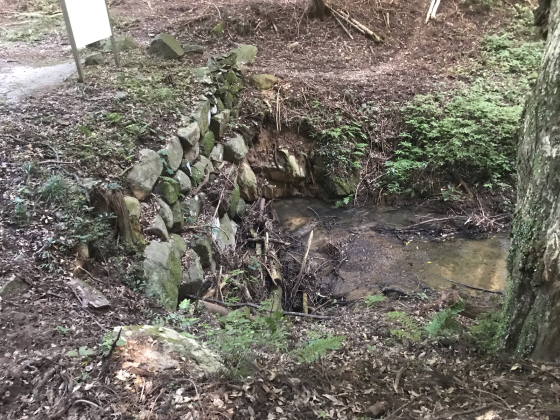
(373, 260)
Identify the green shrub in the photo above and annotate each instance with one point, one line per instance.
(53, 189)
(486, 332)
(445, 323)
(316, 348)
(371, 300)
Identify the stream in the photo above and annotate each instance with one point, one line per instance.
(374, 260)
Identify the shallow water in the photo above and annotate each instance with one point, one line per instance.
(376, 260)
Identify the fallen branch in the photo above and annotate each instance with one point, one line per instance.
(468, 286)
(274, 241)
(443, 219)
(398, 379)
(343, 27)
(303, 261)
(253, 305)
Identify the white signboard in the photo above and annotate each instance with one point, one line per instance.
(89, 21)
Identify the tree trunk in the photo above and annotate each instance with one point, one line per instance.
(532, 303)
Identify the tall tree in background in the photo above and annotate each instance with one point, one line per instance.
(532, 305)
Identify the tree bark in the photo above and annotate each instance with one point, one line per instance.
(532, 303)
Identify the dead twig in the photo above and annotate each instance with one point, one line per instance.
(398, 379)
(468, 286)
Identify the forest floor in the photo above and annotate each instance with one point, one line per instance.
(386, 363)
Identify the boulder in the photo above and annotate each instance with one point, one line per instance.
(95, 59)
(189, 135)
(225, 235)
(165, 46)
(235, 149)
(263, 81)
(338, 186)
(163, 272)
(158, 228)
(192, 49)
(217, 155)
(143, 176)
(174, 153)
(218, 30)
(207, 143)
(203, 75)
(193, 275)
(191, 154)
(245, 53)
(202, 115)
(203, 247)
(89, 294)
(124, 43)
(165, 213)
(178, 216)
(14, 286)
(191, 208)
(199, 169)
(247, 182)
(219, 122)
(183, 180)
(168, 351)
(168, 189)
(133, 206)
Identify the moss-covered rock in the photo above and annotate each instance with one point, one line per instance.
(247, 182)
(218, 124)
(339, 186)
(13, 287)
(163, 272)
(199, 169)
(178, 217)
(207, 143)
(189, 135)
(233, 201)
(191, 208)
(219, 29)
(133, 206)
(166, 46)
(184, 181)
(235, 149)
(193, 275)
(202, 115)
(123, 43)
(168, 189)
(165, 213)
(158, 228)
(263, 81)
(203, 247)
(245, 53)
(143, 176)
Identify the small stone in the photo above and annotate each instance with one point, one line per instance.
(124, 43)
(143, 176)
(191, 208)
(203, 75)
(166, 46)
(89, 294)
(14, 286)
(207, 143)
(192, 49)
(133, 206)
(168, 189)
(184, 181)
(189, 135)
(165, 213)
(203, 247)
(218, 30)
(94, 59)
(219, 122)
(247, 182)
(217, 154)
(158, 229)
(178, 216)
(245, 53)
(191, 154)
(193, 275)
(235, 149)
(120, 96)
(263, 81)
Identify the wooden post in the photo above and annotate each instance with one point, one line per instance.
(113, 43)
(75, 51)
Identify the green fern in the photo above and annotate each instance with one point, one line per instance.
(317, 348)
(445, 323)
(371, 300)
(409, 328)
(486, 332)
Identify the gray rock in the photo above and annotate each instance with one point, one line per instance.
(263, 81)
(179, 245)
(133, 206)
(232, 202)
(202, 116)
(158, 228)
(225, 236)
(203, 247)
(14, 286)
(240, 210)
(219, 122)
(191, 208)
(191, 154)
(89, 294)
(247, 182)
(178, 216)
(95, 59)
(163, 272)
(189, 135)
(207, 143)
(184, 181)
(235, 149)
(199, 169)
(165, 213)
(193, 275)
(165, 46)
(203, 75)
(169, 351)
(143, 176)
(174, 153)
(124, 43)
(217, 154)
(192, 49)
(245, 53)
(168, 189)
